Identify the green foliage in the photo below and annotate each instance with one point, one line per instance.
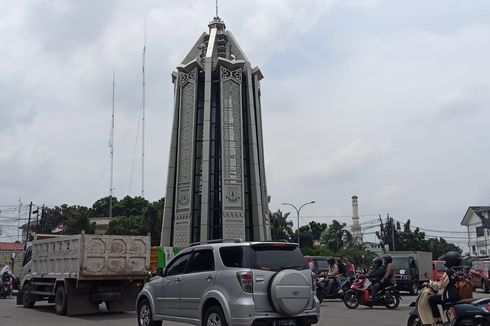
(281, 229)
(140, 217)
(406, 239)
(101, 207)
(336, 237)
(77, 220)
(127, 225)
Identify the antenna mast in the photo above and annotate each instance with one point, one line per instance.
(143, 121)
(217, 9)
(111, 145)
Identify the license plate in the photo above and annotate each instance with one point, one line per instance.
(284, 322)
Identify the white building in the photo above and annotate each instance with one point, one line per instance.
(477, 222)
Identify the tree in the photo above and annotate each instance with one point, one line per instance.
(408, 239)
(335, 237)
(127, 225)
(281, 228)
(101, 207)
(152, 219)
(129, 206)
(77, 220)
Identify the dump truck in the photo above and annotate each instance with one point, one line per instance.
(412, 269)
(79, 272)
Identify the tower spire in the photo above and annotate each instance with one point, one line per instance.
(217, 7)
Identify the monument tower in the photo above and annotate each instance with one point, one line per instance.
(216, 185)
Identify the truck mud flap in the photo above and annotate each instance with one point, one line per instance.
(78, 302)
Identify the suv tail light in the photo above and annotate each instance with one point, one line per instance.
(246, 281)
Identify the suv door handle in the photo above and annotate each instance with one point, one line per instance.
(209, 278)
(178, 280)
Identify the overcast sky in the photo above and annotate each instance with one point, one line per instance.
(387, 100)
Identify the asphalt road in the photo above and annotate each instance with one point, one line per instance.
(332, 313)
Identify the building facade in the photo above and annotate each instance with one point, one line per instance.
(477, 222)
(216, 185)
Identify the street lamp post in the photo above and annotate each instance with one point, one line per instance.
(297, 212)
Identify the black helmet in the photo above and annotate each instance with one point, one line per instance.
(331, 260)
(388, 259)
(452, 259)
(377, 262)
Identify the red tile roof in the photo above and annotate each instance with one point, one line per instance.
(10, 246)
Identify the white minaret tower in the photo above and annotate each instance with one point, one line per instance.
(356, 226)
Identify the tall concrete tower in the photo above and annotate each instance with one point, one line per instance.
(356, 226)
(216, 185)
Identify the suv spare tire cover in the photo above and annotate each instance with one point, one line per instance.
(290, 292)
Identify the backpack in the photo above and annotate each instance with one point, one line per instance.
(464, 288)
(461, 284)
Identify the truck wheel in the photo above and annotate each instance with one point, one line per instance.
(27, 301)
(145, 317)
(214, 316)
(60, 300)
(414, 288)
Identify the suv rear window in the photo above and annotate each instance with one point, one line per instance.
(270, 257)
(276, 257)
(236, 256)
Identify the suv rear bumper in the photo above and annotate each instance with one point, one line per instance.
(252, 318)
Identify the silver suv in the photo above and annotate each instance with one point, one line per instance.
(232, 283)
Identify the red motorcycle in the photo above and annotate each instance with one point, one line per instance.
(360, 294)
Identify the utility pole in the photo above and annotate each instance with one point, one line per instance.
(18, 221)
(37, 219)
(28, 225)
(392, 232)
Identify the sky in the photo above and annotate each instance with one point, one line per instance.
(383, 99)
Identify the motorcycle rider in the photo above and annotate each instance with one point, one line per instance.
(453, 261)
(376, 276)
(342, 271)
(333, 273)
(389, 277)
(6, 275)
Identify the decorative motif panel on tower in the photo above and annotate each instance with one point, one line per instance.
(231, 144)
(182, 222)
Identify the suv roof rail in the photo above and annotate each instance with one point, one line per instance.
(235, 240)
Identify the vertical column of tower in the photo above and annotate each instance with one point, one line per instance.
(257, 211)
(257, 76)
(208, 69)
(232, 153)
(166, 237)
(185, 158)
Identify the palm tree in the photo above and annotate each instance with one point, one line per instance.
(336, 237)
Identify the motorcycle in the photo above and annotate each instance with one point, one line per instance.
(336, 292)
(467, 312)
(360, 294)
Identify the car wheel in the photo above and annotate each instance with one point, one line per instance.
(214, 317)
(27, 301)
(414, 288)
(145, 317)
(60, 301)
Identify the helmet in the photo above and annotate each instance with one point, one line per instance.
(388, 259)
(377, 262)
(452, 259)
(331, 260)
